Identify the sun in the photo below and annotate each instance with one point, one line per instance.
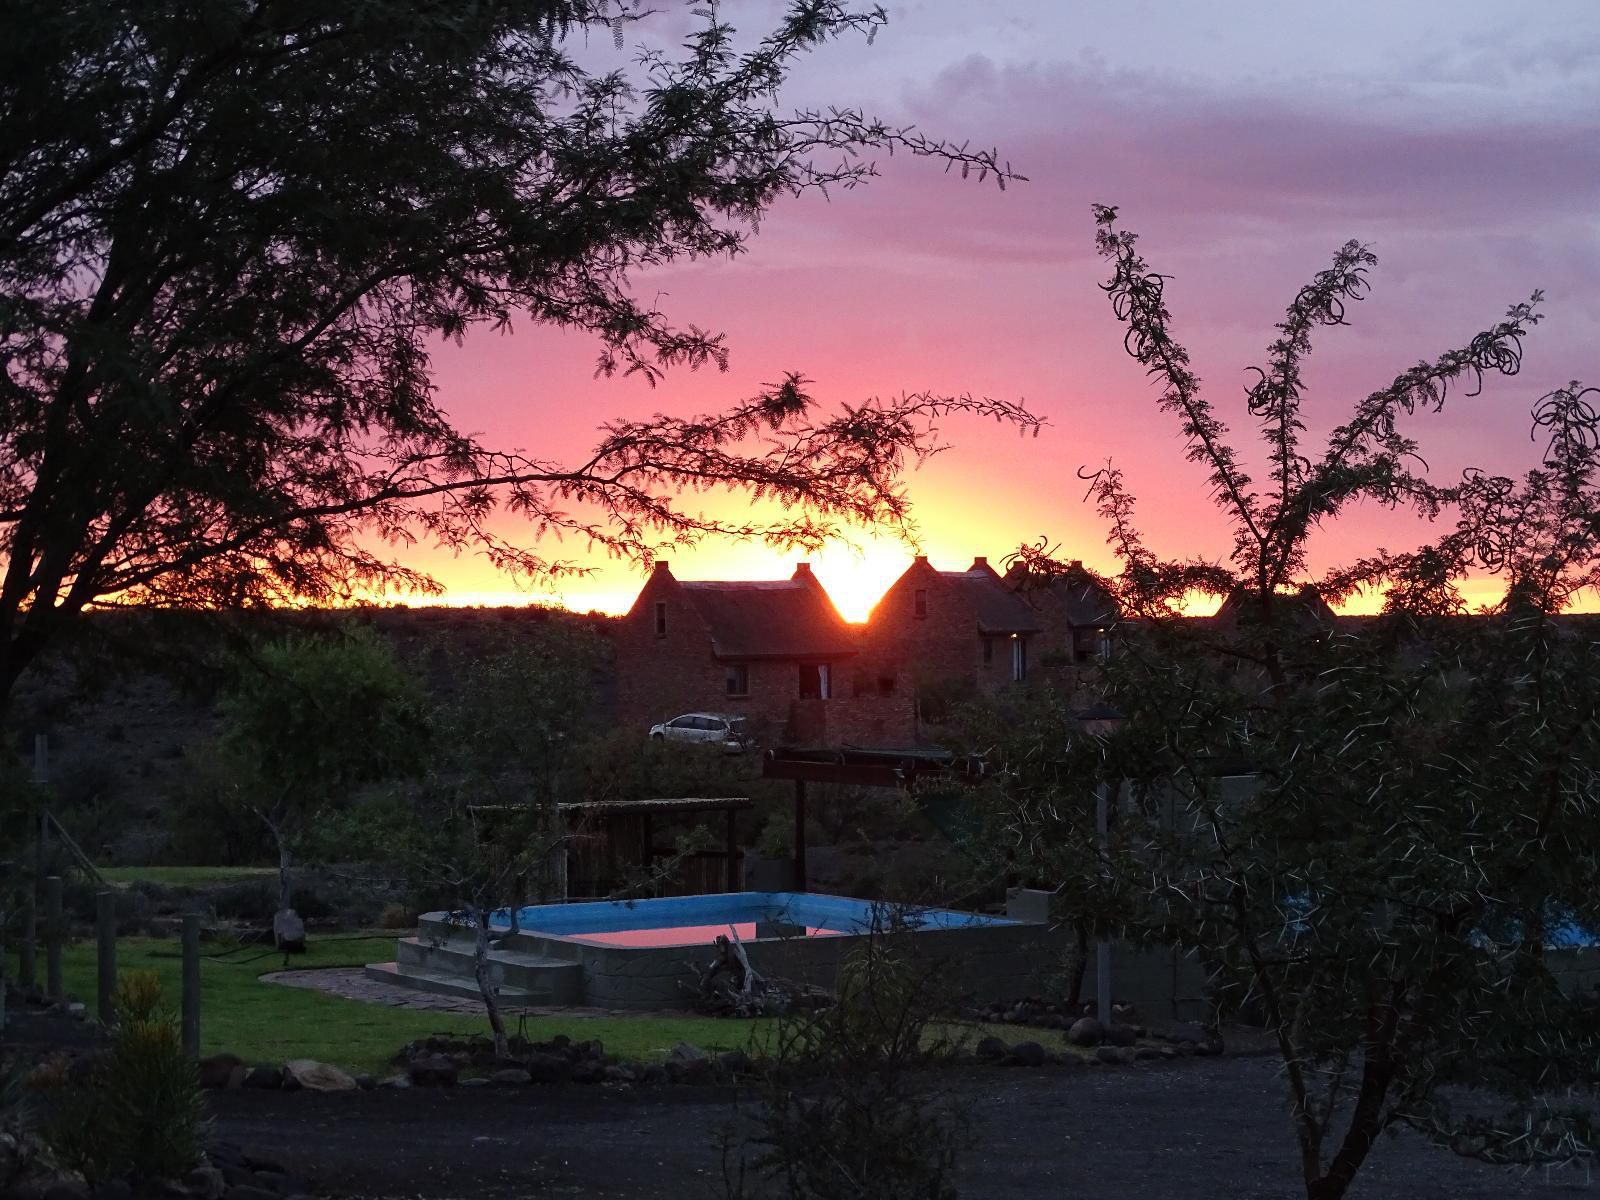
(856, 578)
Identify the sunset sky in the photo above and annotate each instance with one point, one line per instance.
(1245, 141)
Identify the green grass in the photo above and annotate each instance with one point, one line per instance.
(265, 1022)
(184, 876)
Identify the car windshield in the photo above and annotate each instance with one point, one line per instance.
(738, 726)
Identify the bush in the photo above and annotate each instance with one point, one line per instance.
(139, 1114)
(397, 916)
(206, 824)
(850, 1108)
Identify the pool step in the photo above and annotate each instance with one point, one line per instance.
(536, 978)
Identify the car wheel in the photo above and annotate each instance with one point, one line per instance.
(657, 737)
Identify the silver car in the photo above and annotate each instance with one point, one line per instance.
(730, 733)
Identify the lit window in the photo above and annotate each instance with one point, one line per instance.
(737, 679)
(815, 681)
(1019, 658)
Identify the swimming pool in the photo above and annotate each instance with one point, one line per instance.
(752, 916)
(643, 954)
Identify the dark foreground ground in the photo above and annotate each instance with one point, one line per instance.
(1196, 1129)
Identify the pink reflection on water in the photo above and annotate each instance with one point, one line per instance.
(692, 935)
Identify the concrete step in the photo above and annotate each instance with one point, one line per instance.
(444, 983)
(517, 969)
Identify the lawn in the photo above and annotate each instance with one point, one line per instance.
(184, 876)
(265, 1022)
(269, 1023)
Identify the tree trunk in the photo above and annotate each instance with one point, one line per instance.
(1079, 965)
(285, 858)
(486, 988)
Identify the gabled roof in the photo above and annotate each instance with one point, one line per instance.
(785, 618)
(999, 609)
(1075, 594)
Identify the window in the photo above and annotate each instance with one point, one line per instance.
(1019, 658)
(814, 681)
(737, 679)
(919, 602)
(988, 651)
(661, 618)
(885, 685)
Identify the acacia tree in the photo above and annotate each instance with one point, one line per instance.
(1398, 889)
(229, 239)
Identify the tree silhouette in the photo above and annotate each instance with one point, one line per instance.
(229, 239)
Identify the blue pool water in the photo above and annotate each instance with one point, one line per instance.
(698, 920)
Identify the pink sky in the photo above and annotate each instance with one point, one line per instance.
(1245, 141)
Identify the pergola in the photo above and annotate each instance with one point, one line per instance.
(618, 814)
(862, 767)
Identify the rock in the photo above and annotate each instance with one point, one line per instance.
(548, 1068)
(249, 1191)
(653, 1074)
(587, 1070)
(236, 1077)
(619, 1074)
(1148, 1052)
(1170, 1052)
(317, 1077)
(66, 1190)
(1193, 1034)
(687, 1052)
(734, 1062)
(511, 1077)
(990, 1048)
(1086, 1031)
(215, 1071)
(78, 1011)
(289, 931)
(1114, 1055)
(475, 1081)
(366, 1082)
(265, 1078)
(1121, 1035)
(225, 1154)
(395, 1081)
(595, 1050)
(1027, 1054)
(114, 1189)
(434, 1070)
(206, 1182)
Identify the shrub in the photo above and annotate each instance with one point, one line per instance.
(139, 1114)
(849, 1108)
(397, 916)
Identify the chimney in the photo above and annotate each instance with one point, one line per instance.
(921, 560)
(981, 563)
(802, 570)
(662, 567)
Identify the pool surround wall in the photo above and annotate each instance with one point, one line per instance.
(978, 958)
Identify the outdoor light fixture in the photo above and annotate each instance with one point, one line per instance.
(1100, 720)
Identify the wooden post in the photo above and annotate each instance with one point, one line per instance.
(30, 928)
(54, 933)
(799, 835)
(105, 923)
(732, 845)
(5, 879)
(191, 984)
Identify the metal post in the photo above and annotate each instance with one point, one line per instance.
(105, 923)
(191, 984)
(54, 932)
(799, 835)
(1102, 952)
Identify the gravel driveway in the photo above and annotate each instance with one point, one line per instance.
(1195, 1129)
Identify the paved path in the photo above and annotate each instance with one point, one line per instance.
(355, 984)
(1195, 1129)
